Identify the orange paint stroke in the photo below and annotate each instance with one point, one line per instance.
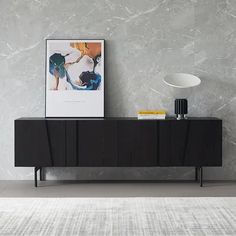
(90, 49)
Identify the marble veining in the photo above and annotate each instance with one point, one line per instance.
(145, 40)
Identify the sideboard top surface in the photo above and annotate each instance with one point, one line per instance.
(113, 118)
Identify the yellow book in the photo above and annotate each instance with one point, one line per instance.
(152, 112)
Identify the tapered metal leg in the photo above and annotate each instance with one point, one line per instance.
(196, 173)
(35, 177)
(201, 176)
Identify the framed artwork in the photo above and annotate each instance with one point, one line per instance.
(74, 78)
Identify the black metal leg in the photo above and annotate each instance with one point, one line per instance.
(196, 173)
(35, 177)
(201, 175)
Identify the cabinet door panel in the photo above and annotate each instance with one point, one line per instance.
(31, 144)
(137, 143)
(126, 143)
(173, 141)
(57, 141)
(190, 143)
(39, 143)
(71, 143)
(205, 147)
(97, 143)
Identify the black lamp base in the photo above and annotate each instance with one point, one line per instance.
(181, 108)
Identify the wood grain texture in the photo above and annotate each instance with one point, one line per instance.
(137, 143)
(97, 144)
(190, 143)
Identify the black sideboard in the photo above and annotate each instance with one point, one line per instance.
(118, 142)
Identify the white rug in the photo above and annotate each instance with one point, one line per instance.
(118, 216)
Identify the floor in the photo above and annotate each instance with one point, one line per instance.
(117, 189)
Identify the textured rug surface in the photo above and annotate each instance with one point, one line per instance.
(118, 216)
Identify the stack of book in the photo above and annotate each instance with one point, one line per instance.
(152, 115)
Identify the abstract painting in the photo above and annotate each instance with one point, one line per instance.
(75, 78)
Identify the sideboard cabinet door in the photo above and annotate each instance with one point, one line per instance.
(97, 145)
(190, 143)
(39, 143)
(137, 143)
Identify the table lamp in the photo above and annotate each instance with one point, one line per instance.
(181, 80)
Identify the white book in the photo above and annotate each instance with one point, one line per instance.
(151, 116)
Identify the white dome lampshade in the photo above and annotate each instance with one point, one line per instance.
(181, 80)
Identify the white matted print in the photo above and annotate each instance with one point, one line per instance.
(75, 78)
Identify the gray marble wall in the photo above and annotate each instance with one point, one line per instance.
(145, 40)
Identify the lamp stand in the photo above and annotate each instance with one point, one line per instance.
(181, 108)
